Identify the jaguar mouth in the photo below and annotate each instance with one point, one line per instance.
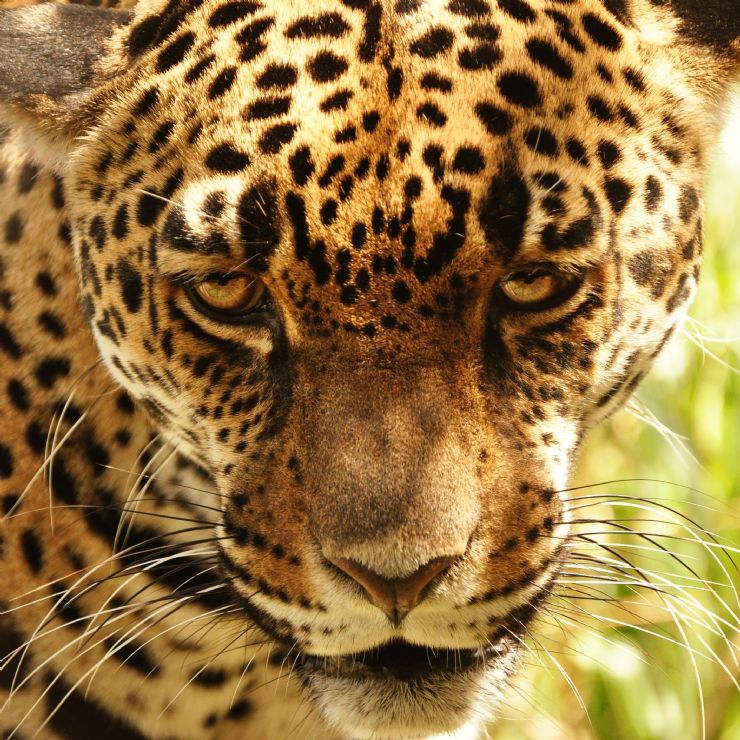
(404, 662)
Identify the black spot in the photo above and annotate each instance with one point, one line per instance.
(653, 193)
(36, 438)
(268, 107)
(301, 165)
(239, 709)
(371, 32)
(27, 177)
(688, 203)
(222, 83)
(370, 121)
(32, 550)
(97, 232)
(546, 55)
(330, 25)
(359, 234)
(618, 192)
(469, 8)
(433, 43)
(46, 284)
(173, 54)
(276, 137)
(149, 208)
(347, 134)
(161, 136)
(120, 222)
(226, 159)
(144, 34)
(433, 81)
(50, 369)
(335, 166)
(468, 159)
(483, 56)
(395, 82)
(304, 250)
(328, 212)
(634, 79)
(519, 89)
(541, 140)
(577, 151)
(601, 32)
(131, 284)
(496, 120)
(232, 12)
(326, 66)
(609, 154)
(18, 394)
(6, 461)
(52, 324)
(336, 101)
(8, 342)
(132, 654)
(14, 228)
(277, 75)
(197, 70)
(146, 102)
(483, 31)
(504, 212)
(258, 213)
(401, 292)
(431, 114)
(600, 108)
(518, 9)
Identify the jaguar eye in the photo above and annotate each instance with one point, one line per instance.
(228, 296)
(538, 289)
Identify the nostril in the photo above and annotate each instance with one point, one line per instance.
(395, 596)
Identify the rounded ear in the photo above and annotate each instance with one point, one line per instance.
(51, 66)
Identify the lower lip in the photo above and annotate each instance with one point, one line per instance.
(404, 661)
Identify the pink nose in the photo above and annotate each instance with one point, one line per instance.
(395, 596)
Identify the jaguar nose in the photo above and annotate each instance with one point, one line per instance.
(395, 596)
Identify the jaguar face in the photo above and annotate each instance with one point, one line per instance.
(378, 268)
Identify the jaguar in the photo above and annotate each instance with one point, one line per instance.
(305, 312)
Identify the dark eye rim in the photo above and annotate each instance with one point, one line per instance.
(252, 315)
(572, 282)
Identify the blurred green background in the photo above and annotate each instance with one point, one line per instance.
(631, 685)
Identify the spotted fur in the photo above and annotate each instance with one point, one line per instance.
(176, 487)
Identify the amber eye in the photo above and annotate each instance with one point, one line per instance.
(228, 297)
(538, 289)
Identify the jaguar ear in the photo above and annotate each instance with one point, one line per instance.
(52, 66)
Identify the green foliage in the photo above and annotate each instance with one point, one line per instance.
(633, 685)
